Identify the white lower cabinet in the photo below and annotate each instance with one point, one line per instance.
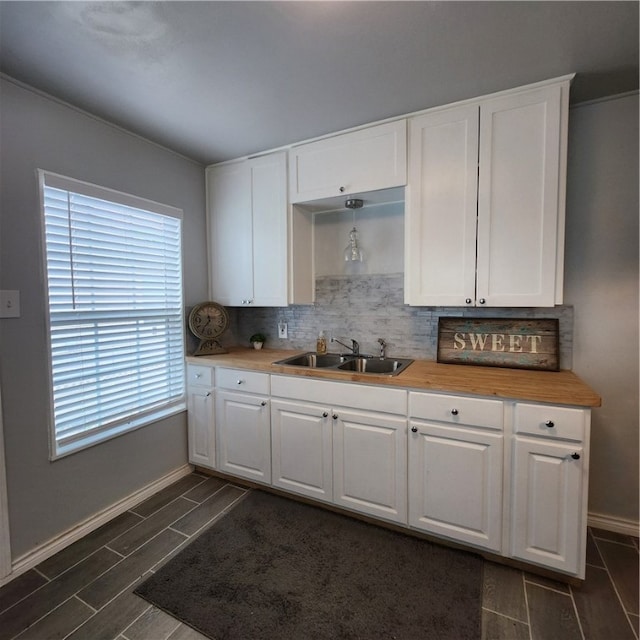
(456, 470)
(507, 477)
(455, 483)
(301, 453)
(359, 460)
(243, 425)
(549, 487)
(201, 416)
(370, 463)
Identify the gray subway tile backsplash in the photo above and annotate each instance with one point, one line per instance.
(368, 307)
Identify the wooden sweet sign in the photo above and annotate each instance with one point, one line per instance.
(499, 342)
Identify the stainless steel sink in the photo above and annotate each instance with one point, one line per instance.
(315, 360)
(388, 366)
(348, 363)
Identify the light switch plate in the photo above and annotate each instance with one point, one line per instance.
(9, 303)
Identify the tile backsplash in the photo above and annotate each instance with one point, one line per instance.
(368, 307)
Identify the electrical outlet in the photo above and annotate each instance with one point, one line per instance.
(9, 304)
(282, 330)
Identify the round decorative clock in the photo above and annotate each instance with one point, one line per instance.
(208, 321)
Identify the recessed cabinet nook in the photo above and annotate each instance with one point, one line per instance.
(495, 462)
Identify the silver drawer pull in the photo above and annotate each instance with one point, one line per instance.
(454, 412)
(240, 382)
(263, 403)
(550, 424)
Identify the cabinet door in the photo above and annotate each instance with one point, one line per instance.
(243, 435)
(230, 233)
(301, 448)
(365, 160)
(548, 526)
(518, 198)
(455, 483)
(201, 427)
(441, 208)
(269, 215)
(370, 463)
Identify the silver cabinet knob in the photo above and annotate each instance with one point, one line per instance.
(550, 424)
(325, 414)
(468, 300)
(206, 395)
(454, 412)
(198, 375)
(335, 416)
(575, 456)
(482, 301)
(239, 381)
(341, 189)
(414, 429)
(263, 403)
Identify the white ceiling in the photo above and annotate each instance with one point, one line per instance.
(219, 80)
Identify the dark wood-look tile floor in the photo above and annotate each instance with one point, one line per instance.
(86, 590)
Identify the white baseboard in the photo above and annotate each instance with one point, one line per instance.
(51, 547)
(611, 523)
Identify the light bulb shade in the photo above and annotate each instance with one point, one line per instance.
(353, 253)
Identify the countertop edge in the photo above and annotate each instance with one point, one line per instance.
(553, 387)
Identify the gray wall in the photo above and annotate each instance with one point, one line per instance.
(598, 323)
(602, 284)
(47, 498)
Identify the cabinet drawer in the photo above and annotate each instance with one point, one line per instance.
(550, 421)
(457, 409)
(199, 376)
(340, 394)
(241, 380)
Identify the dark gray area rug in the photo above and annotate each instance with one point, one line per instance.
(273, 568)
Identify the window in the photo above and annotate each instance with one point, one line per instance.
(114, 282)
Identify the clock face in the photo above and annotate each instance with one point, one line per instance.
(208, 320)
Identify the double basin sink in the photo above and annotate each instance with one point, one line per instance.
(349, 363)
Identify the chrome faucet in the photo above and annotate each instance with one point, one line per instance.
(383, 347)
(355, 347)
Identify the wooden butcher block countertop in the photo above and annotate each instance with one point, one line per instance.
(554, 387)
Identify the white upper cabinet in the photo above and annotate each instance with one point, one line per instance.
(484, 219)
(518, 199)
(247, 214)
(230, 237)
(364, 160)
(441, 212)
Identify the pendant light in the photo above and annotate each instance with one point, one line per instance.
(353, 253)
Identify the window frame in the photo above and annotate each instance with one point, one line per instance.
(145, 418)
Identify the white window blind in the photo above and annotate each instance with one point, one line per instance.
(114, 275)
